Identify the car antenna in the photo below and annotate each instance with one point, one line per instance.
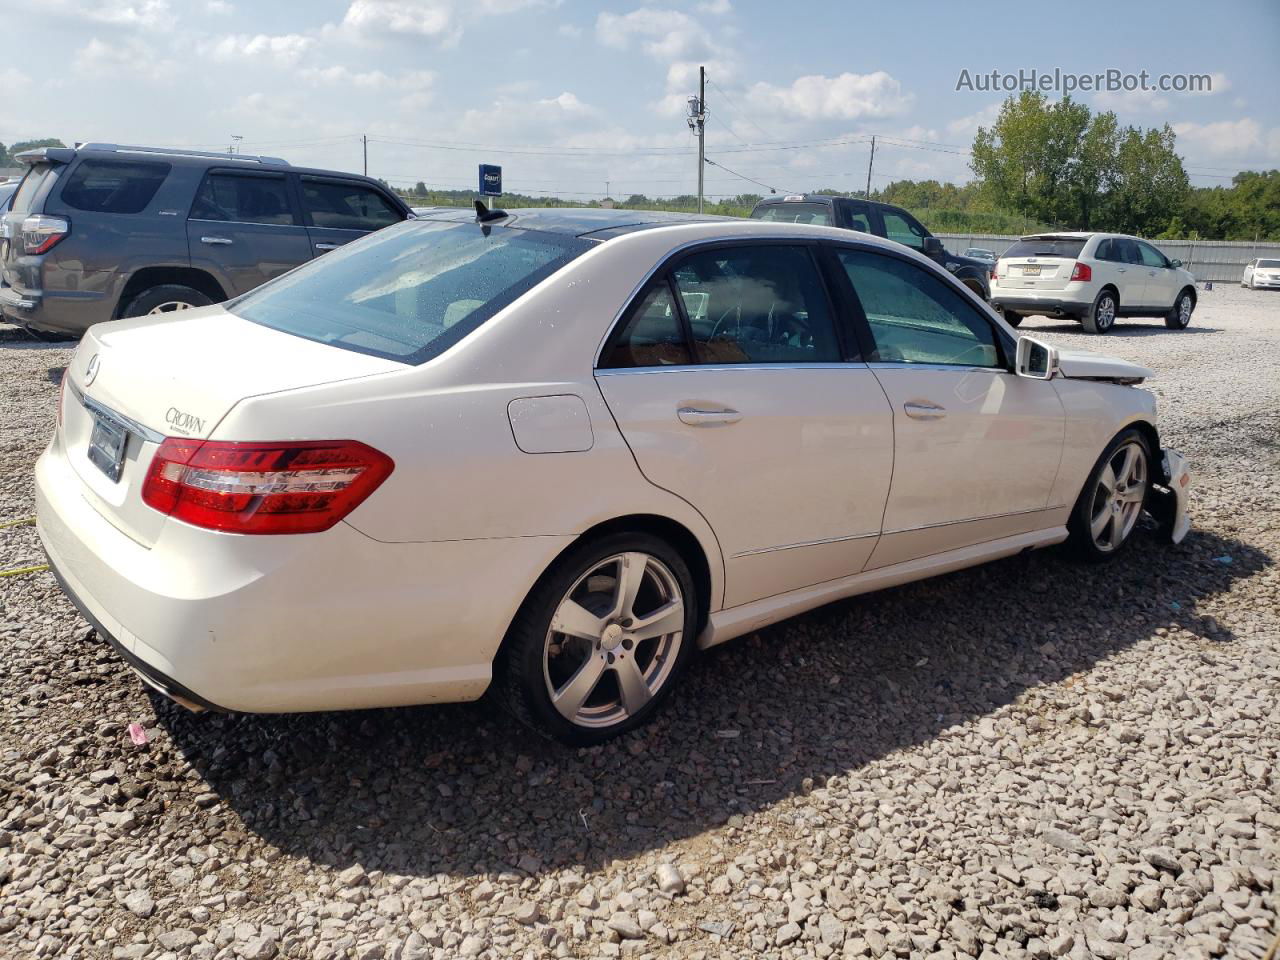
(485, 215)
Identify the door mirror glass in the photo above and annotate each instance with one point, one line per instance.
(1035, 359)
(1176, 263)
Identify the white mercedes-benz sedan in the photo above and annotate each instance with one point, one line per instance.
(553, 453)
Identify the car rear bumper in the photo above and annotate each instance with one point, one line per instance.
(1022, 302)
(70, 313)
(324, 621)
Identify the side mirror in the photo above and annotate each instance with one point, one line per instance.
(932, 247)
(1176, 263)
(1035, 360)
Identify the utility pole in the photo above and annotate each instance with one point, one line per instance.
(870, 161)
(698, 124)
(364, 141)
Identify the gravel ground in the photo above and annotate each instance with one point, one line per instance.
(1030, 759)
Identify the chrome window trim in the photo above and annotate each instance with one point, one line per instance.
(250, 223)
(954, 367)
(102, 410)
(694, 367)
(803, 543)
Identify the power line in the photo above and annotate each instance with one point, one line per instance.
(740, 176)
(734, 105)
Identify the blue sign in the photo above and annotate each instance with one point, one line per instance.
(490, 180)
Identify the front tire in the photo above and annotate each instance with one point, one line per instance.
(601, 640)
(1180, 316)
(1102, 315)
(165, 298)
(1012, 318)
(1111, 502)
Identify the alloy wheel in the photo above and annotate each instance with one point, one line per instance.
(1118, 497)
(169, 306)
(1106, 313)
(614, 640)
(1184, 311)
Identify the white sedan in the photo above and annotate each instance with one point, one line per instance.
(555, 452)
(1261, 274)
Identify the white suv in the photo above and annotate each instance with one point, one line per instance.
(1092, 278)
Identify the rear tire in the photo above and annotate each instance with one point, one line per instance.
(602, 679)
(1179, 318)
(1102, 315)
(165, 298)
(1012, 318)
(1107, 510)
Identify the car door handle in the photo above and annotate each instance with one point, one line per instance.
(216, 241)
(695, 417)
(1121, 269)
(328, 246)
(924, 411)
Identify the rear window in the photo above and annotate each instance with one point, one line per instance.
(411, 291)
(818, 214)
(113, 186)
(31, 183)
(1066, 247)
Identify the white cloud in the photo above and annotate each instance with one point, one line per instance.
(715, 6)
(1218, 83)
(137, 13)
(1225, 137)
(666, 34)
(128, 57)
(569, 30)
(848, 96)
(283, 48)
(423, 18)
(218, 7)
(1131, 101)
(967, 127)
(338, 75)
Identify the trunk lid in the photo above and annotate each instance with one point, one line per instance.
(148, 378)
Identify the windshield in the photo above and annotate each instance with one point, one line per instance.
(1066, 247)
(1268, 264)
(411, 291)
(818, 214)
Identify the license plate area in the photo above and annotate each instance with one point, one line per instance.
(107, 445)
(1030, 271)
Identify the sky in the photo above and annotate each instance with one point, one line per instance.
(574, 98)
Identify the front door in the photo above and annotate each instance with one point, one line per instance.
(976, 447)
(1162, 279)
(243, 229)
(735, 391)
(338, 211)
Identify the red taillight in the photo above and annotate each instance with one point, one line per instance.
(301, 487)
(40, 233)
(1081, 271)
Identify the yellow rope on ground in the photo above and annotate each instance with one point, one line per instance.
(17, 523)
(13, 573)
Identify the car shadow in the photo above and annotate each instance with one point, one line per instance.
(462, 790)
(1121, 329)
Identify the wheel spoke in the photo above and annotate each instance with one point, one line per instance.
(631, 568)
(631, 684)
(1107, 480)
(1125, 475)
(666, 619)
(1133, 495)
(1099, 524)
(574, 620)
(1117, 532)
(570, 698)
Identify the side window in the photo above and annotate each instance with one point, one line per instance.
(757, 304)
(859, 219)
(651, 336)
(347, 206)
(1128, 251)
(1151, 257)
(1104, 250)
(901, 228)
(113, 186)
(240, 198)
(916, 317)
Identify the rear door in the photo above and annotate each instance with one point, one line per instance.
(735, 390)
(337, 211)
(244, 229)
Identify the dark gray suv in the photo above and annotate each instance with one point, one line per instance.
(104, 231)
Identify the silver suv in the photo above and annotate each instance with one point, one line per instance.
(1092, 278)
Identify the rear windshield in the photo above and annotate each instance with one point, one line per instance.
(815, 213)
(1066, 247)
(113, 186)
(1268, 264)
(29, 187)
(411, 291)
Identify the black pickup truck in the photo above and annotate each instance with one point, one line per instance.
(882, 219)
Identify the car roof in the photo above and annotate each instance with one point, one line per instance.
(597, 223)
